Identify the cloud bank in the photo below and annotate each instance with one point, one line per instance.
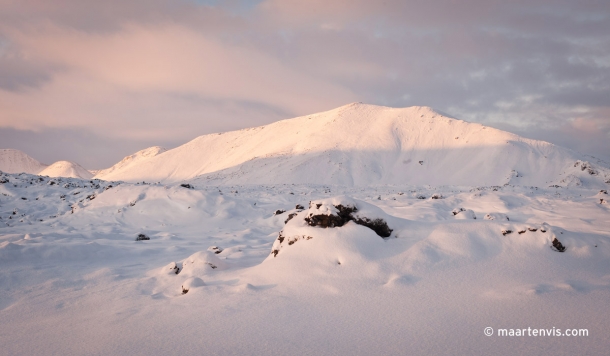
(154, 72)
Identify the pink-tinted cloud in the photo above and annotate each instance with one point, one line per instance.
(172, 70)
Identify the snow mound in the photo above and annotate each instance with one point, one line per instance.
(130, 160)
(464, 214)
(15, 161)
(333, 212)
(66, 169)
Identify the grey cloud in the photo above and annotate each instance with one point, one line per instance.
(529, 66)
(89, 149)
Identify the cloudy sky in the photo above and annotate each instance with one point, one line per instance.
(92, 81)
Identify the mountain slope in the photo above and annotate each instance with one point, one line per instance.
(15, 161)
(66, 169)
(360, 144)
(130, 160)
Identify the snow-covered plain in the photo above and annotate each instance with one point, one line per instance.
(73, 280)
(220, 255)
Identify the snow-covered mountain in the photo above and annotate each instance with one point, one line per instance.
(130, 160)
(66, 169)
(359, 144)
(15, 161)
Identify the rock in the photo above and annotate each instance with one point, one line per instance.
(279, 212)
(215, 249)
(186, 185)
(142, 237)
(463, 214)
(330, 213)
(299, 207)
(558, 246)
(436, 196)
(457, 210)
(506, 232)
(380, 227)
(496, 216)
(290, 216)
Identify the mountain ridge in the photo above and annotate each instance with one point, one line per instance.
(360, 144)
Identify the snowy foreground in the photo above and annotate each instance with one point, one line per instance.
(74, 280)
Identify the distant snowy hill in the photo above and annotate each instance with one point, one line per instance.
(359, 144)
(66, 169)
(130, 160)
(15, 161)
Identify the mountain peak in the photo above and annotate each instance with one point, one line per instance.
(66, 169)
(16, 161)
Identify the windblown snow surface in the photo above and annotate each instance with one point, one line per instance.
(196, 267)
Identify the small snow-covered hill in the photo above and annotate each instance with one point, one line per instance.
(358, 144)
(66, 169)
(15, 161)
(130, 160)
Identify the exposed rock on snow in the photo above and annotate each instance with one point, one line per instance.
(337, 212)
(330, 213)
(192, 282)
(461, 213)
(557, 246)
(215, 249)
(142, 237)
(496, 216)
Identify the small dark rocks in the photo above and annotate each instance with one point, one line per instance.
(344, 214)
(299, 207)
(458, 210)
(380, 227)
(290, 216)
(186, 185)
(279, 212)
(142, 237)
(558, 246)
(215, 249)
(506, 232)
